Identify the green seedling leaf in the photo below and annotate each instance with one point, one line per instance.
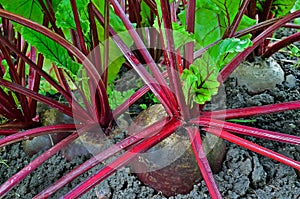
(153, 99)
(150, 99)
(46, 88)
(116, 98)
(51, 50)
(294, 50)
(143, 106)
(200, 81)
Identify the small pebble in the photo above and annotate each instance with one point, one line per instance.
(259, 75)
(290, 81)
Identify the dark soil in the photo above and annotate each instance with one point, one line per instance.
(244, 174)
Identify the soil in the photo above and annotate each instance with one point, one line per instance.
(244, 174)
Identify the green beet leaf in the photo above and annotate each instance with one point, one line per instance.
(226, 49)
(65, 17)
(7, 77)
(295, 8)
(145, 14)
(213, 17)
(180, 35)
(245, 23)
(279, 7)
(51, 50)
(208, 29)
(116, 59)
(29, 9)
(200, 81)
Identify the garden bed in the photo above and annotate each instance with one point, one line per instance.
(244, 174)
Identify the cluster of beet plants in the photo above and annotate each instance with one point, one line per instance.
(67, 47)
